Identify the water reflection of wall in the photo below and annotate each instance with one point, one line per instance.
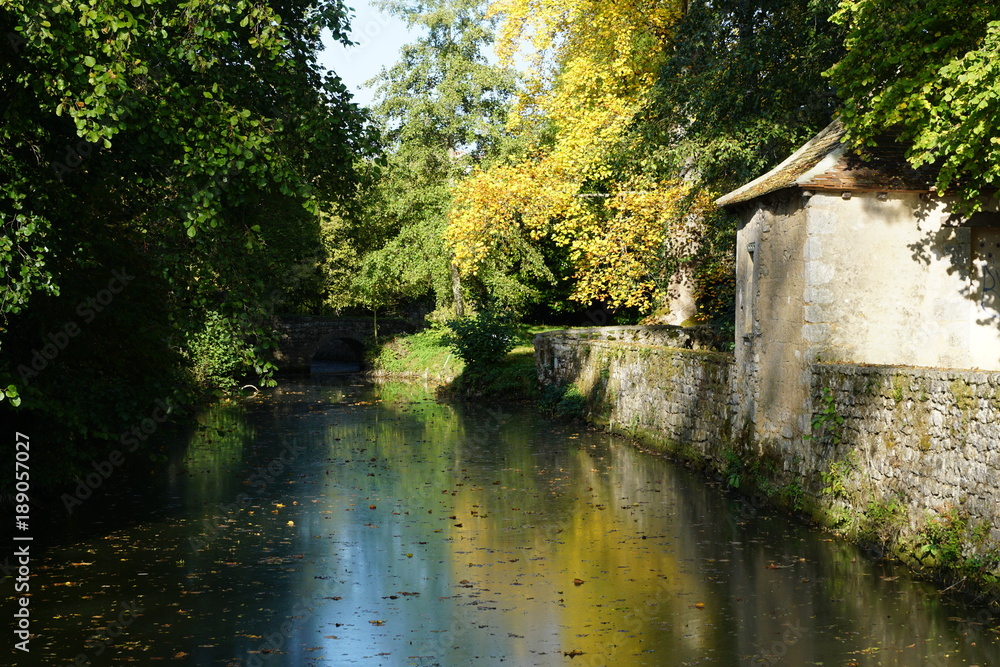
(929, 437)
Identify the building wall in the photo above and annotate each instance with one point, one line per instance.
(863, 280)
(771, 366)
(891, 282)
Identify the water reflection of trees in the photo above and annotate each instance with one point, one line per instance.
(668, 562)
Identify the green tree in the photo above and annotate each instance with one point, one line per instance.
(931, 72)
(163, 167)
(442, 109)
(741, 88)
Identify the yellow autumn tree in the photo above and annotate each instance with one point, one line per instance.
(591, 67)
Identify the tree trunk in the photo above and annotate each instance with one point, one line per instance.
(456, 291)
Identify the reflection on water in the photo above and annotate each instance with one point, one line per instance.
(335, 523)
(334, 367)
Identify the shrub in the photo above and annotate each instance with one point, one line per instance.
(219, 354)
(483, 339)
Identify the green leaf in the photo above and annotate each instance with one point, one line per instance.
(89, 61)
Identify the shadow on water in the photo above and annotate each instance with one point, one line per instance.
(334, 367)
(332, 522)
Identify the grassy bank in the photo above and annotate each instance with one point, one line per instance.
(422, 355)
(425, 355)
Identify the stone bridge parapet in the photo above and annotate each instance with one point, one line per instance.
(300, 337)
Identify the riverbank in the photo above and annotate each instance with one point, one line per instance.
(426, 356)
(893, 460)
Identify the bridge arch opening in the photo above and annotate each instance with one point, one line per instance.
(338, 354)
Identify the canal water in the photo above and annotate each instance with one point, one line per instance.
(331, 522)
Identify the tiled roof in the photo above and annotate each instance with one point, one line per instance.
(825, 163)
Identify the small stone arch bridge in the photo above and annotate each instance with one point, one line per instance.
(303, 339)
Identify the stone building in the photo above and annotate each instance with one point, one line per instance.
(844, 259)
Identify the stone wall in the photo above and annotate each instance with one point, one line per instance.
(674, 397)
(888, 451)
(299, 337)
(663, 335)
(928, 438)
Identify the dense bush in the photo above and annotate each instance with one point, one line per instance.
(482, 339)
(219, 354)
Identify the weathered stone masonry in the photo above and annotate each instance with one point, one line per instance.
(928, 437)
(299, 337)
(926, 440)
(678, 396)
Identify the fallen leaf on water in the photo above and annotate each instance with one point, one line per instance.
(578, 582)
(180, 655)
(377, 622)
(699, 605)
(572, 654)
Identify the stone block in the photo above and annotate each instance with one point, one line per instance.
(818, 273)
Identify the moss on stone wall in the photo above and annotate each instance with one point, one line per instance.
(897, 459)
(920, 498)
